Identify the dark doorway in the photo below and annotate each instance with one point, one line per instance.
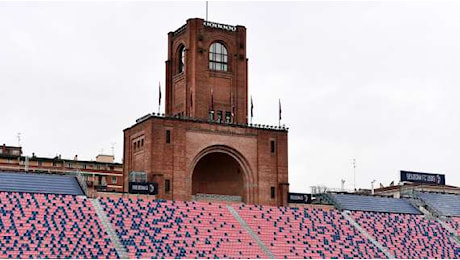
(218, 173)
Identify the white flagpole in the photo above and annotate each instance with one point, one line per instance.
(206, 10)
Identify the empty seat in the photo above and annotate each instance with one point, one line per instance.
(174, 229)
(408, 235)
(307, 233)
(373, 203)
(51, 226)
(445, 204)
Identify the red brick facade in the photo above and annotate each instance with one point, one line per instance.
(187, 152)
(196, 88)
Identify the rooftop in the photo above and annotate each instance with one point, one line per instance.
(281, 128)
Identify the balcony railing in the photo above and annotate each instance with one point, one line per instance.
(222, 122)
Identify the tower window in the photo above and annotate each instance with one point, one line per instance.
(211, 115)
(272, 146)
(272, 192)
(228, 117)
(219, 116)
(218, 57)
(181, 58)
(168, 136)
(167, 185)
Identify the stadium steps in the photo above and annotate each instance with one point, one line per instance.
(332, 200)
(251, 232)
(441, 203)
(121, 250)
(39, 183)
(367, 235)
(453, 232)
(423, 207)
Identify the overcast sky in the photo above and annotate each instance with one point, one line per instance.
(375, 81)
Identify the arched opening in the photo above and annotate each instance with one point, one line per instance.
(218, 175)
(181, 59)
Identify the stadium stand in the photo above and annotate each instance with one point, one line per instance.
(408, 235)
(173, 229)
(50, 226)
(39, 183)
(454, 222)
(307, 233)
(445, 204)
(373, 203)
(35, 225)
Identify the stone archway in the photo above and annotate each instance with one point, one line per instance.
(221, 170)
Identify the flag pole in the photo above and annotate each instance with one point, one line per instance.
(252, 109)
(159, 97)
(206, 10)
(279, 118)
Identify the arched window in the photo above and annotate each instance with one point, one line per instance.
(181, 58)
(218, 57)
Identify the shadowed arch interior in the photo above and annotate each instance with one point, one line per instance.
(218, 173)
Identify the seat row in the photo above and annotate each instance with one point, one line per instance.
(173, 229)
(67, 226)
(51, 226)
(409, 235)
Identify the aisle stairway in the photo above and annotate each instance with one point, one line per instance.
(121, 250)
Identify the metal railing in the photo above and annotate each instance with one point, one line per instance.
(324, 189)
(218, 197)
(217, 122)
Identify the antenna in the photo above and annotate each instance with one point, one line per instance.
(206, 10)
(19, 139)
(113, 148)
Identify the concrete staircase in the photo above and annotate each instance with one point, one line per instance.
(432, 214)
(452, 231)
(251, 232)
(121, 250)
(367, 235)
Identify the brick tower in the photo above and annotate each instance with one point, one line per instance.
(203, 147)
(206, 72)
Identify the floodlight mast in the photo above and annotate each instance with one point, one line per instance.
(354, 174)
(372, 187)
(19, 139)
